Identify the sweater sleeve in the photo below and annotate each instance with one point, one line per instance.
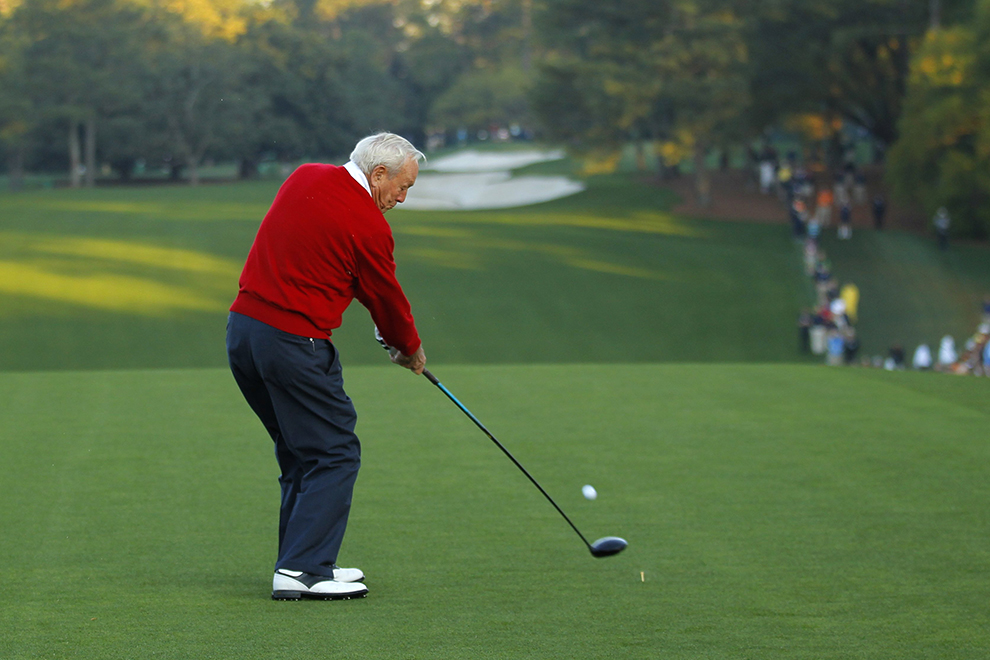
(378, 289)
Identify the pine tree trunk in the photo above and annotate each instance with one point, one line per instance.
(248, 169)
(74, 154)
(90, 152)
(703, 179)
(15, 166)
(527, 30)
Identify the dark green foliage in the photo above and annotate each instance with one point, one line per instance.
(848, 59)
(164, 89)
(484, 98)
(621, 71)
(942, 158)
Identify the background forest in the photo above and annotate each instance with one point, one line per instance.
(119, 88)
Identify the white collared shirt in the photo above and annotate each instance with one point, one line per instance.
(358, 175)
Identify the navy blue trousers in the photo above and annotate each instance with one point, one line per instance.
(294, 385)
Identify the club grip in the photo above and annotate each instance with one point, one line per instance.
(430, 377)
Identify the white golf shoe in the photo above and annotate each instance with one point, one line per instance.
(295, 585)
(347, 574)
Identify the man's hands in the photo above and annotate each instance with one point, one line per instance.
(415, 362)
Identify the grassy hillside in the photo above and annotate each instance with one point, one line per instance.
(142, 277)
(911, 292)
(772, 511)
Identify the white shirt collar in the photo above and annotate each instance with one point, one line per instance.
(358, 175)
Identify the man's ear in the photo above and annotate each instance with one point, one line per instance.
(379, 173)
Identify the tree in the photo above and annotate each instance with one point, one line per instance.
(643, 70)
(480, 99)
(15, 107)
(192, 93)
(80, 63)
(844, 59)
(943, 155)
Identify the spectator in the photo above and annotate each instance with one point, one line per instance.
(841, 191)
(804, 330)
(947, 355)
(845, 222)
(814, 230)
(897, 355)
(767, 173)
(823, 211)
(810, 255)
(836, 348)
(851, 345)
(879, 210)
(784, 176)
(922, 357)
(859, 188)
(838, 309)
(823, 270)
(819, 338)
(797, 219)
(850, 294)
(942, 223)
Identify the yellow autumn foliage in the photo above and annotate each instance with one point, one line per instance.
(7, 6)
(218, 19)
(814, 126)
(673, 152)
(946, 59)
(330, 9)
(600, 163)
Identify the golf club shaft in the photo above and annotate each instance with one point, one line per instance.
(433, 379)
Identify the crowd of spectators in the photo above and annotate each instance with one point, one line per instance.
(973, 358)
(828, 327)
(812, 204)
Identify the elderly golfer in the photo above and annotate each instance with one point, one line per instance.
(323, 243)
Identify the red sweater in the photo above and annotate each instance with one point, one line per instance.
(323, 243)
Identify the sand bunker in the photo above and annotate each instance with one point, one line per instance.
(476, 161)
(470, 180)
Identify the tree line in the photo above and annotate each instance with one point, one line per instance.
(121, 82)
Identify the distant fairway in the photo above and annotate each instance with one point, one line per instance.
(773, 511)
(142, 277)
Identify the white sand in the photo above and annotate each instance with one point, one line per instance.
(471, 180)
(476, 161)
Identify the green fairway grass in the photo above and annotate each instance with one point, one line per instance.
(772, 511)
(138, 277)
(142, 277)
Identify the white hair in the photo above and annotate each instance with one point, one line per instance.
(386, 149)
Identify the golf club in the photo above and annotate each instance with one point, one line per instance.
(603, 547)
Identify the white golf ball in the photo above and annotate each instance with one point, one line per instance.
(589, 492)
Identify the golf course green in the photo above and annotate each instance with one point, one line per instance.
(774, 507)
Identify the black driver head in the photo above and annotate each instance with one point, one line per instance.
(605, 547)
